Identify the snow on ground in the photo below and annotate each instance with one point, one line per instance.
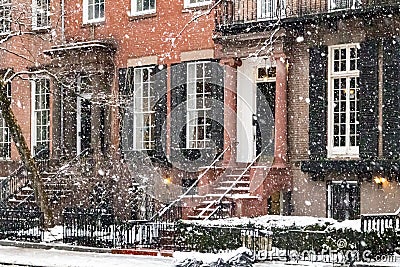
(53, 234)
(50, 258)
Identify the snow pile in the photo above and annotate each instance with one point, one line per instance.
(269, 222)
(238, 258)
(354, 225)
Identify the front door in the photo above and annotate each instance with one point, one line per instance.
(344, 200)
(263, 121)
(84, 124)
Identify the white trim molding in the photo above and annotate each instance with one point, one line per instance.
(93, 12)
(343, 101)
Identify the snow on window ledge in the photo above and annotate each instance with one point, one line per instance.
(188, 5)
(142, 14)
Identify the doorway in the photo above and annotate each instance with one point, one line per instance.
(84, 123)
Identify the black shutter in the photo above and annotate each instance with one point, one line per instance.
(391, 101)
(122, 81)
(318, 102)
(217, 123)
(160, 116)
(178, 108)
(368, 99)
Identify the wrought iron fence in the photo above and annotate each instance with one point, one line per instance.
(245, 11)
(21, 224)
(380, 223)
(89, 227)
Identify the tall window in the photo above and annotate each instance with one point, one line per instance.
(5, 16)
(93, 11)
(344, 4)
(5, 140)
(41, 13)
(41, 115)
(271, 9)
(143, 6)
(344, 92)
(198, 104)
(144, 99)
(194, 3)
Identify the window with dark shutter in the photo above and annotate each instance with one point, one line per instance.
(391, 99)
(368, 66)
(318, 102)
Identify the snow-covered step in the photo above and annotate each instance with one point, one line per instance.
(213, 201)
(237, 175)
(234, 182)
(234, 188)
(197, 217)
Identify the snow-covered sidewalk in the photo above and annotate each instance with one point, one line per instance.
(10, 255)
(60, 258)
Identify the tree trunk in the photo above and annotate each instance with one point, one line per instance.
(25, 153)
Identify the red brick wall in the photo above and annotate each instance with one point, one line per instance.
(143, 36)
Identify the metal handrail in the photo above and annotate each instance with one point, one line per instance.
(61, 169)
(165, 209)
(230, 188)
(13, 181)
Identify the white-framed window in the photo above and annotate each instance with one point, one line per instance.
(40, 114)
(5, 16)
(142, 7)
(196, 3)
(93, 11)
(40, 14)
(344, 4)
(271, 9)
(5, 137)
(198, 105)
(144, 101)
(343, 101)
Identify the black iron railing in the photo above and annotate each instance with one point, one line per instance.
(89, 227)
(21, 224)
(245, 11)
(380, 223)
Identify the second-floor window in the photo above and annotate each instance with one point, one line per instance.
(93, 11)
(41, 14)
(140, 7)
(198, 104)
(271, 9)
(195, 3)
(5, 16)
(144, 98)
(5, 137)
(41, 115)
(343, 116)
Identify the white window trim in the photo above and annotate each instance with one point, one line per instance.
(271, 15)
(86, 20)
(332, 7)
(348, 151)
(135, 12)
(34, 16)
(189, 108)
(33, 115)
(140, 146)
(187, 3)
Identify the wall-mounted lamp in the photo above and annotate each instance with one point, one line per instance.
(167, 180)
(379, 180)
